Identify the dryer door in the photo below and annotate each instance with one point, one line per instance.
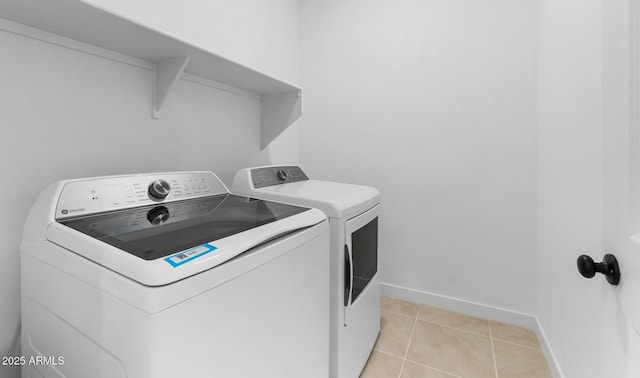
(361, 260)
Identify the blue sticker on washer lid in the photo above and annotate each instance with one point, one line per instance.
(189, 254)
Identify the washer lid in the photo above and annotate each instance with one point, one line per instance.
(153, 232)
(197, 235)
(337, 200)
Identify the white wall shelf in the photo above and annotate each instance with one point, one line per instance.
(170, 57)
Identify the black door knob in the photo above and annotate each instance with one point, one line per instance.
(609, 267)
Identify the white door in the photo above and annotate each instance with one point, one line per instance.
(621, 175)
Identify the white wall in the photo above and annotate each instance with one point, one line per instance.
(68, 114)
(434, 103)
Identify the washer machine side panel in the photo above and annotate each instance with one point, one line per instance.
(97, 334)
(271, 322)
(246, 326)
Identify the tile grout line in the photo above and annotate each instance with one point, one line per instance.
(397, 313)
(444, 324)
(493, 349)
(456, 328)
(434, 369)
(406, 352)
(387, 354)
(517, 344)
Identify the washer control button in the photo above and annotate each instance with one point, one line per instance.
(159, 189)
(283, 175)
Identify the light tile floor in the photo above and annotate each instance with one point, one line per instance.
(418, 341)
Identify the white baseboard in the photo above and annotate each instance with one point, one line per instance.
(548, 352)
(479, 310)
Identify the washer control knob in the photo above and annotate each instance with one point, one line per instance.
(158, 215)
(282, 174)
(159, 189)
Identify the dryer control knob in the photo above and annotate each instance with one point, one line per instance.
(159, 189)
(283, 175)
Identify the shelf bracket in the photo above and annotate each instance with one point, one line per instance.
(165, 76)
(278, 111)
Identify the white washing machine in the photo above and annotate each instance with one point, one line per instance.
(168, 275)
(355, 287)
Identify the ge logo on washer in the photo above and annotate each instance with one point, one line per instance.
(71, 211)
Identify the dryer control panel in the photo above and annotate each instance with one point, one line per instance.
(83, 197)
(276, 175)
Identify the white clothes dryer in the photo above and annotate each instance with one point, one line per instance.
(353, 212)
(169, 275)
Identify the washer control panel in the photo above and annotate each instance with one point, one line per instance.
(267, 176)
(83, 197)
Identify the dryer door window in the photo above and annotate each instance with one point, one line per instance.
(361, 254)
(365, 256)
